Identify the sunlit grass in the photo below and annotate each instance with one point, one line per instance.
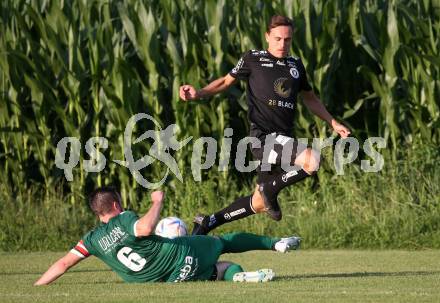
(302, 276)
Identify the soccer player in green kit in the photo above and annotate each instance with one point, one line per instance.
(127, 245)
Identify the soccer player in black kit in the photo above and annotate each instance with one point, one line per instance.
(274, 79)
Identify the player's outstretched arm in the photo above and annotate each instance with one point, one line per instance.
(146, 225)
(312, 102)
(188, 92)
(58, 269)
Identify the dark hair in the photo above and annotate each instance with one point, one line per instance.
(101, 199)
(279, 20)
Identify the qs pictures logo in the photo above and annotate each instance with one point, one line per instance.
(281, 87)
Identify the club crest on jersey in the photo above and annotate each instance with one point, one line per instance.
(294, 72)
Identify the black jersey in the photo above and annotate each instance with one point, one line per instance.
(272, 88)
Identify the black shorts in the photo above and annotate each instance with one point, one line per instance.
(270, 153)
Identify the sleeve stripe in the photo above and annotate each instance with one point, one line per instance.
(134, 228)
(81, 245)
(82, 251)
(77, 253)
(80, 248)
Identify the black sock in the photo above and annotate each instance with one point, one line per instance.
(240, 208)
(280, 181)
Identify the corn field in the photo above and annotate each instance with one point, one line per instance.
(82, 68)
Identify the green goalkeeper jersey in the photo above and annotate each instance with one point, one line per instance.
(139, 259)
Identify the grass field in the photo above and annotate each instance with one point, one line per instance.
(304, 276)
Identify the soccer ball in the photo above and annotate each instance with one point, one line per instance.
(171, 227)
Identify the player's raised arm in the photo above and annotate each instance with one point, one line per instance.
(188, 92)
(312, 102)
(58, 269)
(145, 225)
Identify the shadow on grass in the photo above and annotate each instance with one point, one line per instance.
(95, 282)
(13, 273)
(359, 275)
(308, 276)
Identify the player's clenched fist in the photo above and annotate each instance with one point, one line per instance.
(187, 92)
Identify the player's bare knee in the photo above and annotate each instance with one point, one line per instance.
(257, 202)
(311, 160)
